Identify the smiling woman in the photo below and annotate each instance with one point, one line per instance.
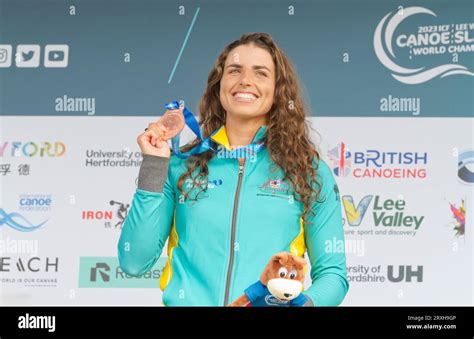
(248, 85)
(220, 237)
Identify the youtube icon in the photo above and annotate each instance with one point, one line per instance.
(56, 56)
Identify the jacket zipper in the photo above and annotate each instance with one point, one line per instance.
(232, 237)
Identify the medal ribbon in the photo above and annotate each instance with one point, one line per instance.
(246, 151)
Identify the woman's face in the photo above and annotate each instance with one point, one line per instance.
(248, 82)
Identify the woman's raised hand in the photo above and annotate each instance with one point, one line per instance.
(154, 140)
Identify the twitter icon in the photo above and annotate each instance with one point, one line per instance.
(27, 56)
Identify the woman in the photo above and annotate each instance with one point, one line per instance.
(225, 216)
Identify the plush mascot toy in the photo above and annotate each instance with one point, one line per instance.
(280, 284)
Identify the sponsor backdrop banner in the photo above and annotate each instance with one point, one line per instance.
(390, 89)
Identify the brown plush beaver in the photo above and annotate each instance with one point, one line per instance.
(280, 284)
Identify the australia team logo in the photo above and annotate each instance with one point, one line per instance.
(275, 186)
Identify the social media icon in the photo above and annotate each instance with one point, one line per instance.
(27, 56)
(5, 56)
(56, 55)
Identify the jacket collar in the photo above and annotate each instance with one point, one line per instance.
(220, 136)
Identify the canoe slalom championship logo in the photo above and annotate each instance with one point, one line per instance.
(466, 166)
(451, 40)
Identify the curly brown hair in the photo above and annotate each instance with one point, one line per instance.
(287, 135)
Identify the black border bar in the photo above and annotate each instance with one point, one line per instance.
(136, 322)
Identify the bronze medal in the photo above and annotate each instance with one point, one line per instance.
(173, 122)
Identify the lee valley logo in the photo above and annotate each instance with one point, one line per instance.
(389, 216)
(37, 322)
(105, 272)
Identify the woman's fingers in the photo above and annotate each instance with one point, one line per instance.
(149, 136)
(159, 129)
(151, 141)
(156, 132)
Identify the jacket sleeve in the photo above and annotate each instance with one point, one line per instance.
(325, 244)
(149, 220)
